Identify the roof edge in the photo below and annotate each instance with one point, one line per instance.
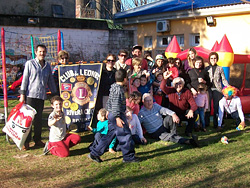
(203, 12)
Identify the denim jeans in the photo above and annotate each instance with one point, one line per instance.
(201, 113)
(167, 132)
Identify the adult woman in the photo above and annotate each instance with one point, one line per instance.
(62, 58)
(107, 79)
(216, 75)
(189, 63)
(178, 64)
(197, 75)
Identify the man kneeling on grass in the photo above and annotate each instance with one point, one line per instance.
(151, 118)
(231, 105)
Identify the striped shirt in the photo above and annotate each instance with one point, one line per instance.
(116, 103)
(35, 80)
(152, 119)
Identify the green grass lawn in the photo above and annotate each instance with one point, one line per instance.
(163, 164)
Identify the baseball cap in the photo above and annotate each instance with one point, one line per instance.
(159, 56)
(137, 47)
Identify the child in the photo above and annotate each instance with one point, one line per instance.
(157, 93)
(202, 103)
(172, 70)
(137, 71)
(117, 123)
(101, 129)
(135, 127)
(134, 85)
(59, 141)
(145, 86)
(133, 101)
(232, 104)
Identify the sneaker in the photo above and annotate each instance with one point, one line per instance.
(45, 149)
(39, 144)
(219, 129)
(204, 130)
(196, 129)
(194, 141)
(188, 134)
(135, 160)
(26, 146)
(95, 158)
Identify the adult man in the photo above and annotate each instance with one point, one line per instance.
(181, 101)
(151, 118)
(120, 63)
(137, 52)
(36, 77)
(231, 104)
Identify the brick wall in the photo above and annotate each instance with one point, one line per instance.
(82, 44)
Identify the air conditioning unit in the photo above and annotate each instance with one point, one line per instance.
(162, 26)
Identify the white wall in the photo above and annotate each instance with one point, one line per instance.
(87, 44)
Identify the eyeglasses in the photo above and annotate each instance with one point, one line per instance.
(110, 60)
(178, 83)
(213, 58)
(122, 55)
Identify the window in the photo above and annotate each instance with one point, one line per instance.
(163, 41)
(195, 39)
(148, 42)
(57, 10)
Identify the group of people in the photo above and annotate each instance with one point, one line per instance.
(162, 94)
(136, 95)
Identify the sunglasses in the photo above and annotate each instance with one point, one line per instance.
(64, 58)
(109, 60)
(122, 55)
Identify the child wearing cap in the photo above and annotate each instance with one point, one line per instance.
(159, 60)
(230, 104)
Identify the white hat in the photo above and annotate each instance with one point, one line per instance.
(159, 56)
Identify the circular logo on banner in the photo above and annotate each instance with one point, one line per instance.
(66, 104)
(80, 78)
(72, 79)
(65, 95)
(74, 106)
(90, 81)
(81, 93)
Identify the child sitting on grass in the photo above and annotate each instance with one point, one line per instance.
(59, 141)
(135, 127)
(101, 129)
